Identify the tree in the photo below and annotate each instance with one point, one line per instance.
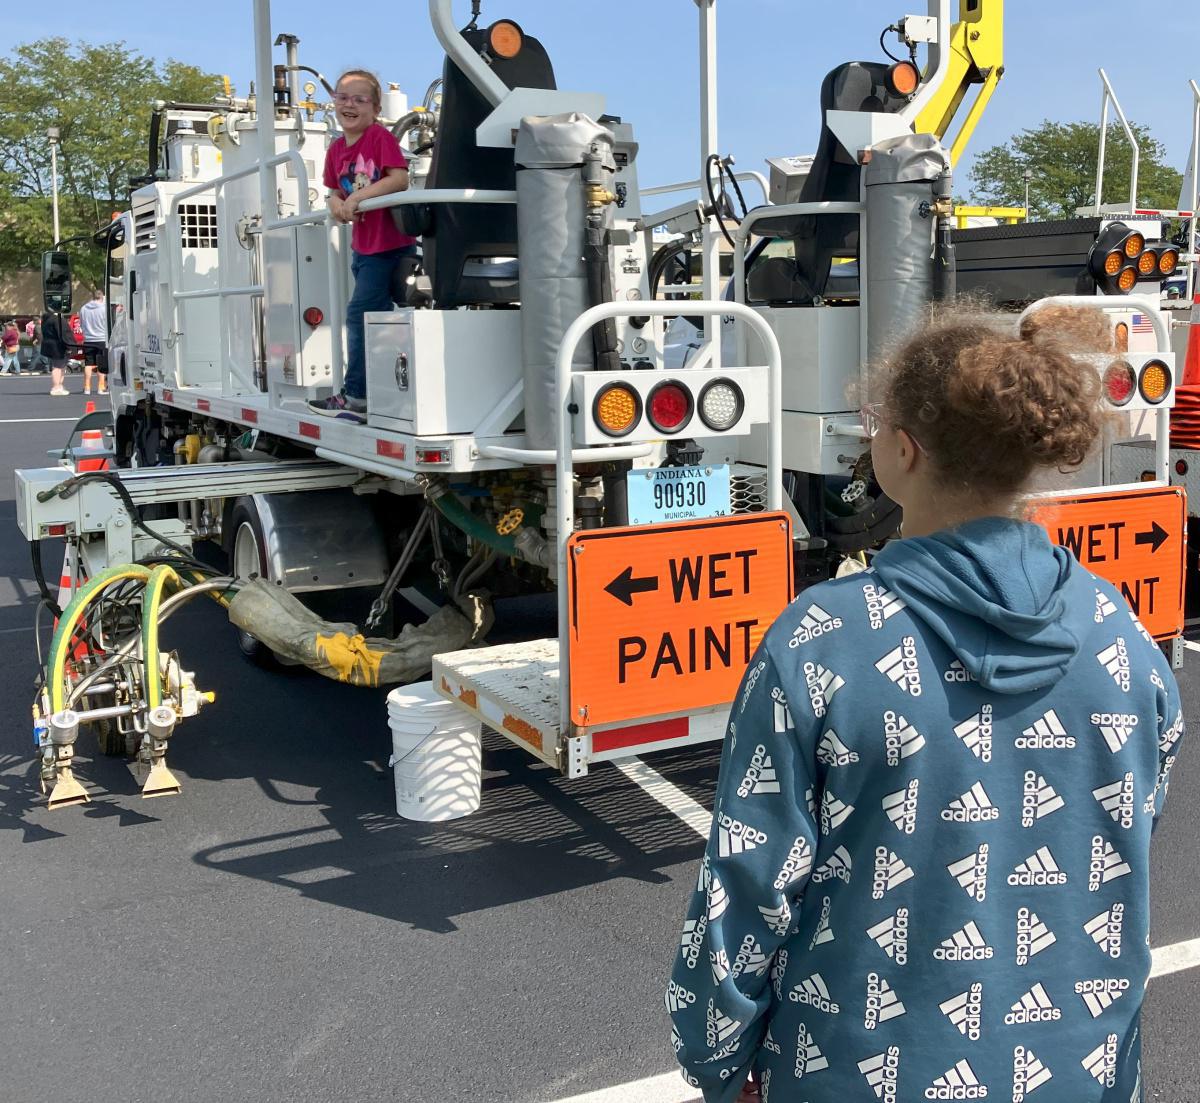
(1061, 158)
(99, 96)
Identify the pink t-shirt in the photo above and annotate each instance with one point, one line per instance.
(349, 168)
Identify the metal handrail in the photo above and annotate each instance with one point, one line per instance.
(1109, 94)
(564, 450)
(688, 185)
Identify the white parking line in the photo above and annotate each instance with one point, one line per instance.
(671, 797)
(668, 1088)
(1175, 958)
(32, 420)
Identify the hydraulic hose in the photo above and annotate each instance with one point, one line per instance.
(461, 517)
(60, 645)
(160, 578)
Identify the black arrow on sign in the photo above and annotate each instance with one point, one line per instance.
(1154, 537)
(624, 586)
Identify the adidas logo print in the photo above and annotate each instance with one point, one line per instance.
(901, 666)
(813, 993)
(1106, 864)
(816, 622)
(676, 1040)
(777, 919)
(678, 997)
(718, 898)
(720, 1026)
(1029, 1073)
(881, 604)
(1038, 799)
(882, 1002)
(976, 734)
(719, 963)
(1167, 740)
(752, 677)
(1115, 659)
(1039, 868)
(833, 812)
(1104, 607)
(833, 752)
(891, 934)
(750, 959)
(1157, 681)
(1045, 734)
(890, 871)
(1116, 727)
(795, 865)
(1101, 993)
(966, 944)
(901, 807)
(965, 1011)
(973, 806)
(823, 932)
(1033, 936)
(811, 801)
(771, 1044)
(1102, 1062)
(956, 672)
(822, 685)
(1033, 1007)
(783, 714)
(693, 937)
(735, 837)
(971, 873)
(778, 971)
(882, 1071)
(837, 866)
(760, 775)
(1105, 929)
(1117, 800)
(959, 1082)
(900, 738)
(808, 1056)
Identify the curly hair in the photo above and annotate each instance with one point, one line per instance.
(988, 408)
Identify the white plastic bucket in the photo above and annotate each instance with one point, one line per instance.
(435, 755)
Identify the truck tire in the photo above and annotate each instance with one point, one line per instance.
(248, 559)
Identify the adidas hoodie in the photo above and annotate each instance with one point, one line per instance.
(927, 877)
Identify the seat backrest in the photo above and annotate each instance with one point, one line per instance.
(834, 177)
(456, 234)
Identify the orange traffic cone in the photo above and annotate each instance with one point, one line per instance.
(66, 591)
(1191, 365)
(93, 440)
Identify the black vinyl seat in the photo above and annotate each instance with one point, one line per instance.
(462, 242)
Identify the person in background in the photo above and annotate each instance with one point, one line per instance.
(928, 872)
(34, 334)
(93, 322)
(54, 349)
(10, 345)
(364, 163)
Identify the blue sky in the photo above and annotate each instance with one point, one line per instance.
(642, 54)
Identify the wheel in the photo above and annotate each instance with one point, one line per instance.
(248, 559)
(109, 741)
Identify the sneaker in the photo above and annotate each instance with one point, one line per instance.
(59, 392)
(341, 406)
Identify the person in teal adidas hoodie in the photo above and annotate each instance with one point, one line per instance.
(927, 877)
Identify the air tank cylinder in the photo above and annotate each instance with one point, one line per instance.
(552, 214)
(901, 181)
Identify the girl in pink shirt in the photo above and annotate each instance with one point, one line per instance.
(366, 162)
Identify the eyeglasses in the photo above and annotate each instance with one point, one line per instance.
(873, 417)
(344, 98)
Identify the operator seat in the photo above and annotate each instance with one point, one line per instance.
(834, 177)
(461, 241)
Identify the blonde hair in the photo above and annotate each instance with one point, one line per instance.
(369, 77)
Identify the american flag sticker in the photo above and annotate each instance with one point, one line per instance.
(1142, 324)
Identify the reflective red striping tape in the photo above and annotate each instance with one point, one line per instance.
(249, 416)
(393, 449)
(168, 396)
(636, 735)
(203, 404)
(308, 429)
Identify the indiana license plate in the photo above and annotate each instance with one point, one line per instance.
(662, 494)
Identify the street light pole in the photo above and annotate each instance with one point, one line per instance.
(1028, 178)
(52, 135)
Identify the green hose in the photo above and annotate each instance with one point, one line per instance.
(460, 516)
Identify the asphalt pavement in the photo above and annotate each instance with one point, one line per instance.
(275, 932)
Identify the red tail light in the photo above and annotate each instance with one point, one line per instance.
(669, 407)
(314, 316)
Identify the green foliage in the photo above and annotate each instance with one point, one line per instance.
(99, 96)
(1062, 160)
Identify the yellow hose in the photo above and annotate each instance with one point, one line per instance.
(160, 577)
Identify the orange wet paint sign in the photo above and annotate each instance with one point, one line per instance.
(664, 618)
(1134, 538)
